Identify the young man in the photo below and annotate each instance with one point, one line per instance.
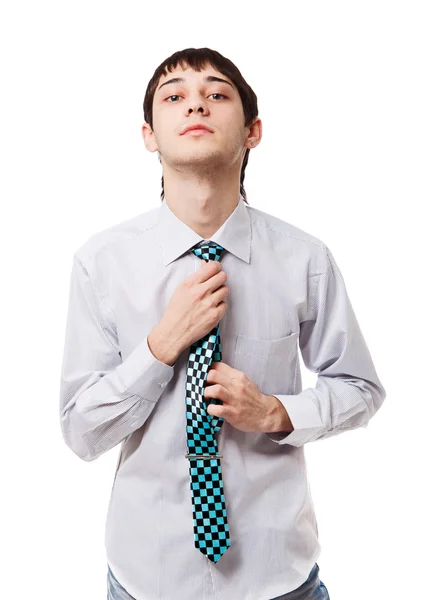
(182, 343)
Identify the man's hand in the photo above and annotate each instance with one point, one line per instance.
(244, 406)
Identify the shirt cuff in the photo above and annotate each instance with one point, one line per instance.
(303, 416)
(143, 374)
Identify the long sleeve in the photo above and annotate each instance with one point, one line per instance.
(102, 398)
(348, 391)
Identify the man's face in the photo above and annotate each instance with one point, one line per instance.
(216, 104)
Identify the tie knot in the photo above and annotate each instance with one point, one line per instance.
(208, 250)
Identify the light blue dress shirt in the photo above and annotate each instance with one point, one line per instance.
(286, 293)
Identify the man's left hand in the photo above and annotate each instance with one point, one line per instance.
(244, 406)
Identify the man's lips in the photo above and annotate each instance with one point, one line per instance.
(196, 127)
(198, 131)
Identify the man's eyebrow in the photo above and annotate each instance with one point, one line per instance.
(207, 79)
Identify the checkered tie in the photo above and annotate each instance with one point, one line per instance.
(211, 530)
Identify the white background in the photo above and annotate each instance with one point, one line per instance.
(342, 93)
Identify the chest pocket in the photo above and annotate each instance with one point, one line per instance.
(271, 364)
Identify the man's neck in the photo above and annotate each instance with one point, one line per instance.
(204, 210)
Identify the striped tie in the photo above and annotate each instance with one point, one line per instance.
(210, 526)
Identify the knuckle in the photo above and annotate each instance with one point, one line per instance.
(198, 294)
(242, 379)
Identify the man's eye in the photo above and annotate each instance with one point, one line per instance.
(213, 94)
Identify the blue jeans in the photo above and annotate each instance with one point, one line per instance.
(312, 589)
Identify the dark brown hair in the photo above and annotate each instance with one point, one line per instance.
(197, 59)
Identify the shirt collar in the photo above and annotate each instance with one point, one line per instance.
(176, 237)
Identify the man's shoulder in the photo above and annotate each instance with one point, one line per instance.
(285, 228)
(116, 234)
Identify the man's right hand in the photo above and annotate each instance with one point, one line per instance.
(196, 306)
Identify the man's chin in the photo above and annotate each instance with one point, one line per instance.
(202, 158)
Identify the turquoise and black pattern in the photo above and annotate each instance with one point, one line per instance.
(211, 529)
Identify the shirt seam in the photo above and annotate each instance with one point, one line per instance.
(319, 243)
(115, 240)
(98, 309)
(315, 292)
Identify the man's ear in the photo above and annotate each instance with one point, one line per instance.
(149, 138)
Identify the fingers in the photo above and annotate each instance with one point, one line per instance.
(206, 270)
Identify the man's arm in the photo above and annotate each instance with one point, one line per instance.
(102, 398)
(348, 391)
